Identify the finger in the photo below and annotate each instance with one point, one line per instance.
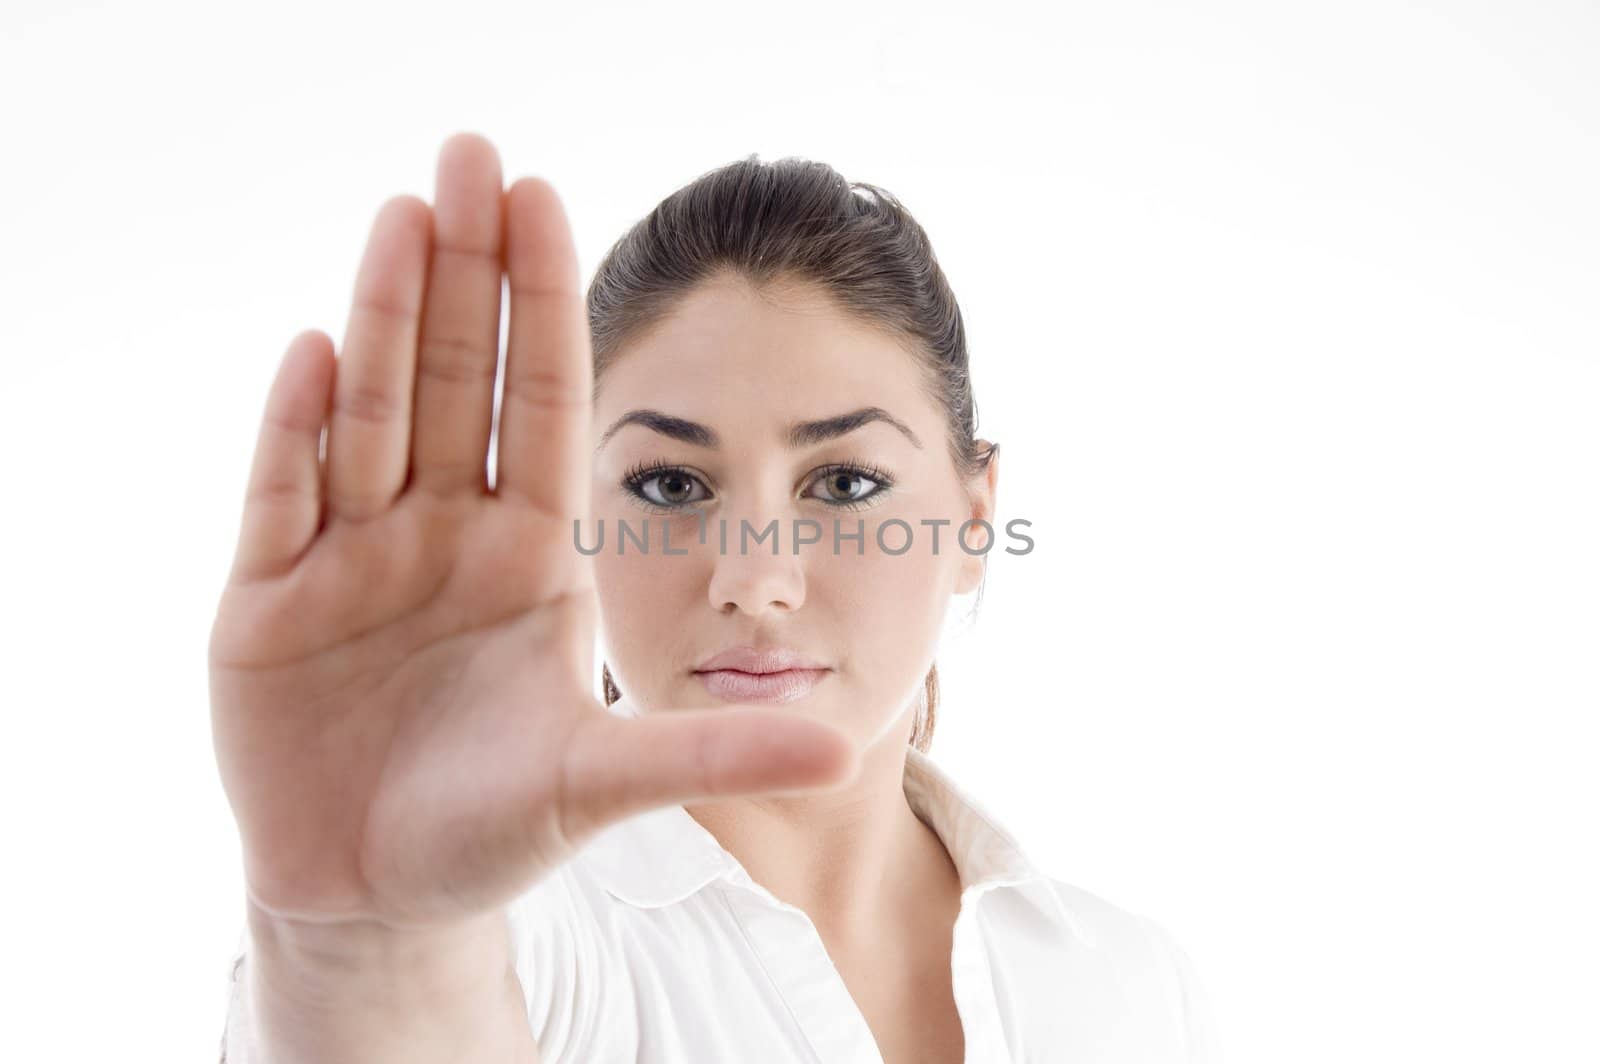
(545, 409)
(460, 343)
(369, 433)
(283, 504)
(616, 767)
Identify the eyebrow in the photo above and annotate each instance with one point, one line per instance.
(799, 434)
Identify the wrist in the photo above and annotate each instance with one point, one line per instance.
(362, 990)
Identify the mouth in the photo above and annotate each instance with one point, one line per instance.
(784, 685)
(758, 661)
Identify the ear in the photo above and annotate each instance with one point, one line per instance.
(982, 490)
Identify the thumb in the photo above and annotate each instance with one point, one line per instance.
(616, 767)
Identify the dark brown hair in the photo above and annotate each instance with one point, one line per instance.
(796, 220)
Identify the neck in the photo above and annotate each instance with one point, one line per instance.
(856, 860)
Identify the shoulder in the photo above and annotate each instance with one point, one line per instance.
(1102, 923)
(560, 949)
(1149, 961)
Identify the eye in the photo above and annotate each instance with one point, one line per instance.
(844, 484)
(662, 485)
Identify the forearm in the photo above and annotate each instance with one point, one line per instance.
(357, 994)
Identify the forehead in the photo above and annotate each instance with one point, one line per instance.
(788, 349)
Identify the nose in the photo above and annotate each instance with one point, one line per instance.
(749, 576)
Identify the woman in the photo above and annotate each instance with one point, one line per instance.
(453, 850)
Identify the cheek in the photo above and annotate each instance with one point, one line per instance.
(642, 600)
(892, 605)
(630, 571)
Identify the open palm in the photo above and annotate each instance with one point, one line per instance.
(401, 660)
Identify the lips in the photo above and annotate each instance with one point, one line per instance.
(748, 659)
(734, 686)
(751, 674)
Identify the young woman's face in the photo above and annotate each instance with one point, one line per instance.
(746, 367)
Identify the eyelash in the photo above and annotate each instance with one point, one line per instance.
(649, 470)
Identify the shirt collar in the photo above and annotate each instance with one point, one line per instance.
(664, 855)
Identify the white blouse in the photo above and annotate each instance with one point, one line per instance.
(654, 946)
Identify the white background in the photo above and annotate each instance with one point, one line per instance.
(1285, 315)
